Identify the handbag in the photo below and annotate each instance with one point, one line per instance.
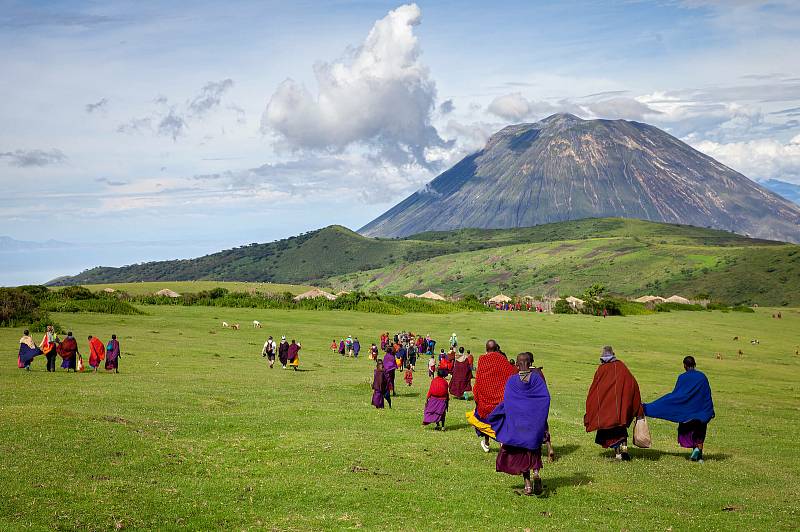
(80, 367)
(641, 434)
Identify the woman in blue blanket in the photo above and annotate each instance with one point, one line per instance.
(520, 424)
(689, 405)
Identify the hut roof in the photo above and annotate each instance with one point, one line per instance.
(649, 299)
(500, 298)
(109, 290)
(411, 295)
(432, 295)
(342, 293)
(677, 299)
(313, 293)
(167, 292)
(572, 300)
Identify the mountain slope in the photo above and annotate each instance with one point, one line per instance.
(566, 168)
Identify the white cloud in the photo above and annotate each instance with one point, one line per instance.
(28, 158)
(758, 159)
(380, 96)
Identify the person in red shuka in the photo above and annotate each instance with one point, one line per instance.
(437, 402)
(494, 369)
(97, 352)
(612, 404)
(409, 375)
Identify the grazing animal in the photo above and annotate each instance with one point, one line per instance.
(719, 356)
(754, 341)
(740, 353)
(736, 338)
(256, 324)
(225, 325)
(235, 326)
(779, 315)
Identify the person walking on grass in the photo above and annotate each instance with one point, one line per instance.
(461, 382)
(49, 347)
(389, 368)
(97, 352)
(68, 351)
(689, 405)
(520, 424)
(294, 354)
(494, 370)
(112, 354)
(613, 402)
(27, 351)
(283, 352)
(269, 351)
(437, 401)
(356, 347)
(380, 386)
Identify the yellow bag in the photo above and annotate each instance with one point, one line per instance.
(641, 434)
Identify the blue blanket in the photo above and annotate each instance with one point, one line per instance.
(690, 400)
(27, 354)
(521, 419)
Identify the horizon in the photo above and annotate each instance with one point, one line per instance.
(192, 132)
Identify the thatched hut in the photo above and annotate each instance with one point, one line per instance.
(500, 298)
(678, 299)
(314, 293)
(432, 295)
(575, 302)
(167, 292)
(649, 299)
(109, 290)
(411, 295)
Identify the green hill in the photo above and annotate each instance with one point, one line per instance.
(630, 257)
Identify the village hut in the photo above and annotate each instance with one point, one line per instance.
(432, 295)
(342, 293)
(314, 293)
(649, 299)
(500, 298)
(167, 292)
(411, 295)
(678, 299)
(109, 290)
(575, 302)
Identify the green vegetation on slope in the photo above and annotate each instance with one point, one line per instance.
(197, 433)
(631, 257)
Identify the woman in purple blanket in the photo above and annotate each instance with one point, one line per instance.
(689, 405)
(380, 387)
(520, 424)
(389, 367)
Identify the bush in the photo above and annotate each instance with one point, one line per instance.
(18, 307)
(76, 292)
(563, 307)
(669, 307)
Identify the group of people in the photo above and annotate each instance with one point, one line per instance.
(288, 352)
(349, 346)
(512, 402)
(52, 346)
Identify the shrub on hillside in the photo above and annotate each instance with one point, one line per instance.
(669, 307)
(76, 292)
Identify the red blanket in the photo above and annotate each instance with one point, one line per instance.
(97, 351)
(438, 388)
(614, 399)
(494, 369)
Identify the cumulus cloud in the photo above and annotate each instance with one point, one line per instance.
(758, 159)
(210, 96)
(380, 95)
(515, 107)
(32, 158)
(97, 106)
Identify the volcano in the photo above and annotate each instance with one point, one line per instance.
(566, 168)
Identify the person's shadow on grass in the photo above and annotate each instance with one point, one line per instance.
(561, 450)
(654, 455)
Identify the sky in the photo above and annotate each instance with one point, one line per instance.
(214, 124)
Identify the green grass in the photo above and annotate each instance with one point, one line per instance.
(196, 432)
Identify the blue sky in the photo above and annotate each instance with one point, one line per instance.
(234, 122)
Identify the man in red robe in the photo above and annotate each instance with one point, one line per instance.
(97, 352)
(612, 404)
(494, 369)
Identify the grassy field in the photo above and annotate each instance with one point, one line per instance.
(187, 287)
(197, 433)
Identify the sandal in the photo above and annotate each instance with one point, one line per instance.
(527, 491)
